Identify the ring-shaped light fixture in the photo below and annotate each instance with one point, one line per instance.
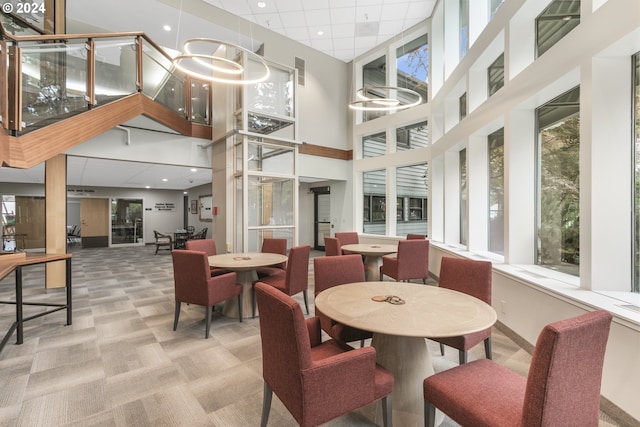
(365, 103)
(200, 58)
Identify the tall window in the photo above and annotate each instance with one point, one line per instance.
(495, 75)
(463, 197)
(464, 27)
(462, 106)
(374, 145)
(496, 192)
(412, 191)
(558, 221)
(636, 110)
(412, 136)
(375, 202)
(555, 22)
(374, 74)
(412, 65)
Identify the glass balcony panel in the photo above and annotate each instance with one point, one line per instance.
(274, 96)
(270, 201)
(115, 75)
(54, 82)
(200, 102)
(15, 27)
(270, 158)
(159, 82)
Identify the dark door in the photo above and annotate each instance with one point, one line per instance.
(322, 221)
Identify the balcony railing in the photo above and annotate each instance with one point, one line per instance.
(47, 78)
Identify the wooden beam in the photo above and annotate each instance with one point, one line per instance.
(55, 191)
(332, 153)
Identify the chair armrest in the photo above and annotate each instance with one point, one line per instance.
(344, 377)
(315, 330)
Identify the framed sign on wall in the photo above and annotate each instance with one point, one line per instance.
(205, 203)
(194, 206)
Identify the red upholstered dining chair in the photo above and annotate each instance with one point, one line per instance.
(472, 278)
(416, 236)
(332, 246)
(331, 271)
(193, 284)
(295, 280)
(207, 246)
(273, 246)
(316, 381)
(561, 389)
(347, 238)
(411, 261)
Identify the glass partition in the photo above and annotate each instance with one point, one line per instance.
(23, 222)
(159, 82)
(115, 69)
(54, 82)
(270, 158)
(126, 221)
(270, 201)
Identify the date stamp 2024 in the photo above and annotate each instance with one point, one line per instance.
(23, 8)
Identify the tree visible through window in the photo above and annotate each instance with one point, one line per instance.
(559, 184)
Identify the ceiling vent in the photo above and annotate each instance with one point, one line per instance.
(301, 71)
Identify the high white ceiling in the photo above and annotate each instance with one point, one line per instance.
(350, 28)
(343, 29)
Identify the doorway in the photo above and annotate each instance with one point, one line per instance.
(321, 216)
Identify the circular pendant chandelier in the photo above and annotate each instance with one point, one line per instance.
(385, 98)
(216, 66)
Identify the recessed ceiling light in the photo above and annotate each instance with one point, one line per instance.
(167, 27)
(320, 33)
(164, 180)
(147, 186)
(185, 192)
(194, 170)
(262, 4)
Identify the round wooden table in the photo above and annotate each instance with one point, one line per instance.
(244, 264)
(400, 331)
(373, 253)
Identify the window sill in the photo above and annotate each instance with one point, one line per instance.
(625, 306)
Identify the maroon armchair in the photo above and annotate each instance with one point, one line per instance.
(295, 280)
(331, 271)
(347, 238)
(207, 246)
(332, 246)
(562, 387)
(273, 246)
(193, 284)
(316, 381)
(473, 278)
(411, 261)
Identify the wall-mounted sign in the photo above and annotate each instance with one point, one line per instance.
(161, 207)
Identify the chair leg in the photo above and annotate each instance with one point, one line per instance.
(253, 302)
(429, 414)
(156, 250)
(240, 307)
(208, 322)
(462, 357)
(441, 349)
(487, 348)
(306, 301)
(266, 404)
(362, 343)
(387, 411)
(176, 316)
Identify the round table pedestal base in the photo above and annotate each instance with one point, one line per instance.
(407, 358)
(246, 279)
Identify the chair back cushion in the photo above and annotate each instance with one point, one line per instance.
(413, 259)
(275, 246)
(332, 246)
(286, 348)
(207, 246)
(563, 385)
(332, 271)
(466, 275)
(411, 236)
(298, 269)
(347, 237)
(190, 274)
